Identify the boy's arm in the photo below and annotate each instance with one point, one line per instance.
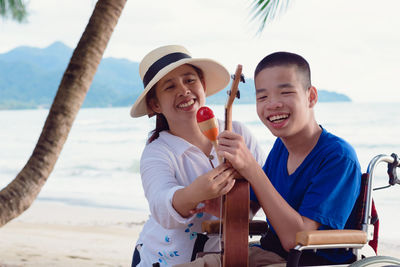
(254, 208)
(285, 220)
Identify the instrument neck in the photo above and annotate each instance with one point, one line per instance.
(228, 118)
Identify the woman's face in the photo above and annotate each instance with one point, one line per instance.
(179, 94)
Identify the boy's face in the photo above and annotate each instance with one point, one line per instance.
(283, 104)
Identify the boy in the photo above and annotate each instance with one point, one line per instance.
(311, 178)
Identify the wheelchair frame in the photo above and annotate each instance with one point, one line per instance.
(351, 239)
(357, 240)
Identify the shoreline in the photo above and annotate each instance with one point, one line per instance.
(59, 235)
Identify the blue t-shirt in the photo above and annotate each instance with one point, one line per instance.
(324, 187)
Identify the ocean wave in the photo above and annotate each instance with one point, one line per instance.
(91, 203)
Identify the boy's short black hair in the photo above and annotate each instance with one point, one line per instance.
(286, 59)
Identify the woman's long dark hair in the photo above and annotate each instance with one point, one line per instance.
(161, 121)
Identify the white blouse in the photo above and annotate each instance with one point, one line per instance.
(168, 164)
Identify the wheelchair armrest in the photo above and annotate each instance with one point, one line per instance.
(325, 239)
(328, 237)
(256, 227)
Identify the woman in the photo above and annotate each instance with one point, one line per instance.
(179, 167)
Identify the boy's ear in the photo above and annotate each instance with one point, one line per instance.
(312, 96)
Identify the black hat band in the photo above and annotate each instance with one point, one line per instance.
(160, 64)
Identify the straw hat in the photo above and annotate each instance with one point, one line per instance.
(159, 62)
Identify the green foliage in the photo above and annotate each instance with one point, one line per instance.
(14, 9)
(267, 10)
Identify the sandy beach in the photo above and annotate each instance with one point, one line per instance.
(56, 234)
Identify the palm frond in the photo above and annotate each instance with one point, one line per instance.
(267, 10)
(14, 9)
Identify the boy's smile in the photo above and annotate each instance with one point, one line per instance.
(278, 118)
(283, 104)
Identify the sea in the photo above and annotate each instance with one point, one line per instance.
(99, 164)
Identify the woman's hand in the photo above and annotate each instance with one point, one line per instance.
(211, 206)
(210, 185)
(214, 183)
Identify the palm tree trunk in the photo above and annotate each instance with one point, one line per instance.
(23, 190)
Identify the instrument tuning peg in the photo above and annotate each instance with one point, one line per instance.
(242, 78)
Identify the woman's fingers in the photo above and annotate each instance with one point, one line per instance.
(219, 169)
(196, 210)
(225, 181)
(228, 186)
(224, 175)
(215, 183)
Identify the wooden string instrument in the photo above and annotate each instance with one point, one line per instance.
(235, 217)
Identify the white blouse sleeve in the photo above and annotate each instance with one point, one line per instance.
(157, 170)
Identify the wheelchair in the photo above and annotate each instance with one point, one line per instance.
(362, 242)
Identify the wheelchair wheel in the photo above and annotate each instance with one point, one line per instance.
(376, 261)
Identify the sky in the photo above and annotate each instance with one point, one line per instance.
(353, 47)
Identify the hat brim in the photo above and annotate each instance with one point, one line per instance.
(216, 78)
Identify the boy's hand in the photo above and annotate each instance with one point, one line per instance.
(232, 147)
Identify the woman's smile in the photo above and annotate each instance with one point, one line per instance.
(179, 93)
(186, 104)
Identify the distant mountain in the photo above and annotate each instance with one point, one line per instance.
(29, 78)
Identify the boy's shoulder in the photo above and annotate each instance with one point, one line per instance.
(330, 140)
(335, 145)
